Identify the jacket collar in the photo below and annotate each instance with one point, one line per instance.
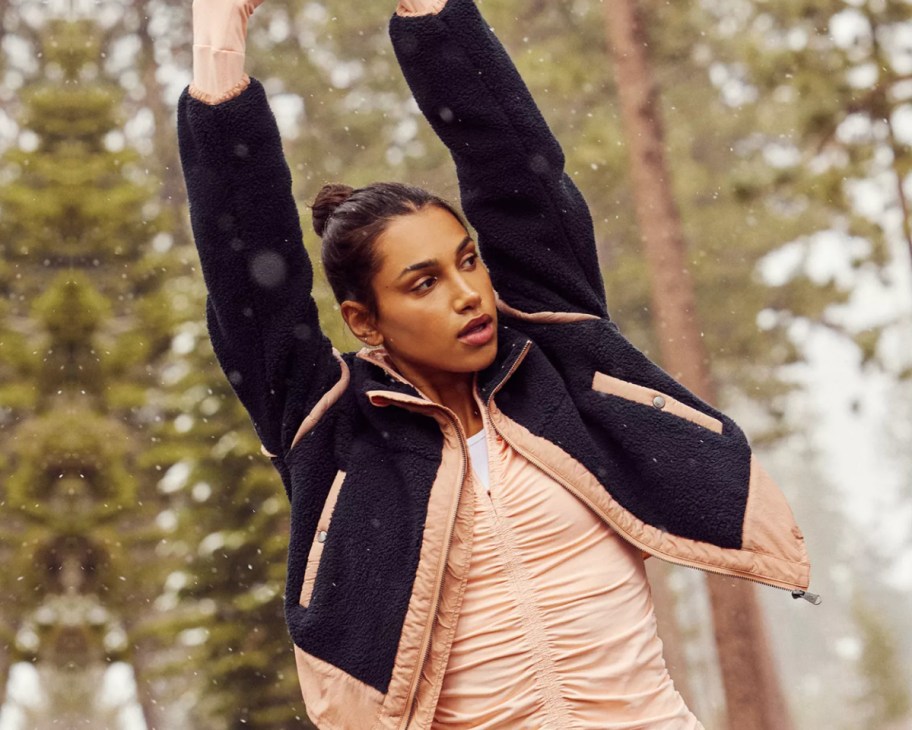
(512, 347)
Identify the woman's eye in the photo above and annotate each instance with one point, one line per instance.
(421, 285)
(472, 258)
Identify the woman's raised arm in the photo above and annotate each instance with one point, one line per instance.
(534, 227)
(261, 317)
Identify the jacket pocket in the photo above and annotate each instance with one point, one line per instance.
(657, 399)
(319, 540)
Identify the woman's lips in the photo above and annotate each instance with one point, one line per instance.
(479, 336)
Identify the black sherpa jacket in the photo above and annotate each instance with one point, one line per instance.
(374, 472)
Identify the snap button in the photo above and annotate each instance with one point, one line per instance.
(658, 401)
(321, 536)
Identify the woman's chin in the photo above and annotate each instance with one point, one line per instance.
(487, 354)
(473, 361)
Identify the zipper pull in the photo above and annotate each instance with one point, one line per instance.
(808, 596)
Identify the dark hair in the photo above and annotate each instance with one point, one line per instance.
(350, 220)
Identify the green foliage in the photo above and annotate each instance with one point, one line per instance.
(235, 513)
(80, 507)
(92, 197)
(823, 87)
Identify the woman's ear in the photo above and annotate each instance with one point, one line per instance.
(361, 322)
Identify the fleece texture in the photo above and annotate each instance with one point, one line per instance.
(535, 235)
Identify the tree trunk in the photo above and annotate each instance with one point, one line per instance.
(5, 662)
(754, 700)
(896, 147)
(145, 696)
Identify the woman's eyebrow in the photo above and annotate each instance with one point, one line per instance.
(433, 262)
(463, 243)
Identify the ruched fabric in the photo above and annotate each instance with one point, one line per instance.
(556, 629)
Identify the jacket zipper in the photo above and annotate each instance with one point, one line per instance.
(410, 703)
(795, 592)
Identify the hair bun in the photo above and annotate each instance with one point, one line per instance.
(330, 197)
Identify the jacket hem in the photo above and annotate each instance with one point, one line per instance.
(350, 701)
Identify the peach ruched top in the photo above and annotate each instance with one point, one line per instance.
(556, 629)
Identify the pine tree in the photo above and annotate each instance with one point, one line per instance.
(824, 83)
(85, 324)
(234, 514)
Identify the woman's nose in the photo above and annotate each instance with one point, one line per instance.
(467, 294)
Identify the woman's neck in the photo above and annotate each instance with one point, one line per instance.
(452, 390)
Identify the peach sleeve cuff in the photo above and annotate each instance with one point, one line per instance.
(217, 75)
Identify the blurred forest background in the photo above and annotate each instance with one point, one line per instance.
(142, 534)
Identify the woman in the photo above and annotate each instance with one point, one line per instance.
(473, 492)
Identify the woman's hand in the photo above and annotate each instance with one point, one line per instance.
(219, 46)
(420, 7)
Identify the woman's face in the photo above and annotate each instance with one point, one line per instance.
(430, 286)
